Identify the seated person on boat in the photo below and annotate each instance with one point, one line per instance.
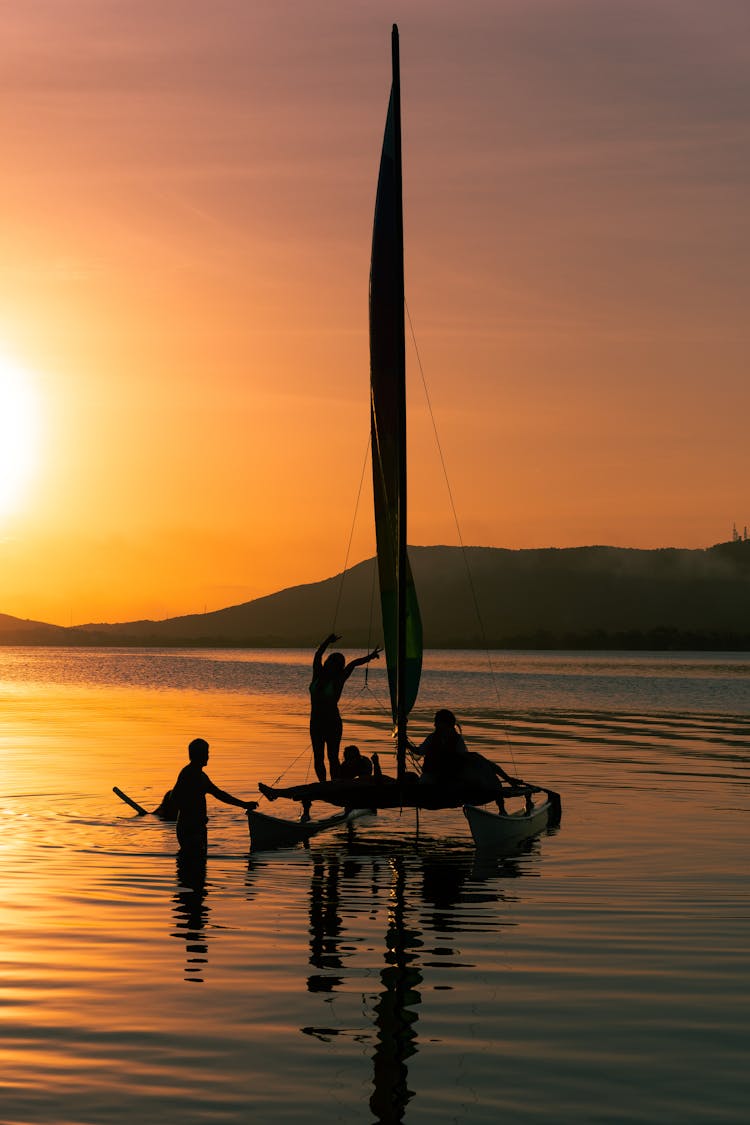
(356, 765)
(448, 761)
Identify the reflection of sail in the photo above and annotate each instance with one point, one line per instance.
(191, 913)
(445, 881)
(395, 1015)
(394, 1008)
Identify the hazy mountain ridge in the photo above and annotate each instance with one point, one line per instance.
(18, 630)
(595, 597)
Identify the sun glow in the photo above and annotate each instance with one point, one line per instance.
(18, 434)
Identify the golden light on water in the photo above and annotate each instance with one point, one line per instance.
(19, 434)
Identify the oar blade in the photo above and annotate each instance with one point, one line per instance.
(129, 801)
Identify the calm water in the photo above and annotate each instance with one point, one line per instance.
(599, 976)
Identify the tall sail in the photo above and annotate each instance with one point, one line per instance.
(402, 626)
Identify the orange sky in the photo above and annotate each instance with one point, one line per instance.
(185, 212)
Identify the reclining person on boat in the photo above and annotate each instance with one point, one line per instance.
(326, 686)
(355, 769)
(189, 798)
(448, 761)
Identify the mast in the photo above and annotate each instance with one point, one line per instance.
(402, 710)
(402, 624)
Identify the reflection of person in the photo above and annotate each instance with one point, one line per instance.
(447, 759)
(328, 679)
(189, 797)
(191, 913)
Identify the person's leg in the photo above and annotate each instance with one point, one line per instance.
(318, 740)
(333, 742)
(193, 840)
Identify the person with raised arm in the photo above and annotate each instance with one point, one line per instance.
(326, 686)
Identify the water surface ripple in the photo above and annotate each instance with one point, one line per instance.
(598, 974)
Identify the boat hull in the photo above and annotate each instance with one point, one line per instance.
(493, 830)
(267, 833)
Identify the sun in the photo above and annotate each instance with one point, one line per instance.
(18, 434)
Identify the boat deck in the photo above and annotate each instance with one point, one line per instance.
(392, 794)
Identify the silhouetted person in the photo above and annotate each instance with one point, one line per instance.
(328, 679)
(447, 760)
(354, 764)
(444, 751)
(189, 797)
(167, 810)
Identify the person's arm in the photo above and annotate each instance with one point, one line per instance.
(422, 749)
(374, 655)
(227, 798)
(506, 776)
(318, 658)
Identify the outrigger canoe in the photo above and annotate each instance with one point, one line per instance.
(270, 832)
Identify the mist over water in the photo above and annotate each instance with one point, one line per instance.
(600, 975)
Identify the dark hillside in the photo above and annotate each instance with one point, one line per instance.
(589, 596)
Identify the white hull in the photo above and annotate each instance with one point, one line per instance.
(491, 829)
(270, 832)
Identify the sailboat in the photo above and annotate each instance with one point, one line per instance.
(402, 626)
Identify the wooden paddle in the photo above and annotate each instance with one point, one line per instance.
(129, 801)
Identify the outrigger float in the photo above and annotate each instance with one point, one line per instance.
(270, 832)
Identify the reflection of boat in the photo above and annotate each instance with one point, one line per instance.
(490, 829)
(426, 900)
(402, 627)
(269, 832)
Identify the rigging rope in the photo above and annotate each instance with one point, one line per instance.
(293, 763)
(369, 620)
(351, 535)
(344, 572)
(472, 588)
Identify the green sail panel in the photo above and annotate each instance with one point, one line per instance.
(388, 406)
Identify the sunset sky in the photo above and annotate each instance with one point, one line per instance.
(185, 212)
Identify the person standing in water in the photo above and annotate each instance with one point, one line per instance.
(328, 679)
(189, 798)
